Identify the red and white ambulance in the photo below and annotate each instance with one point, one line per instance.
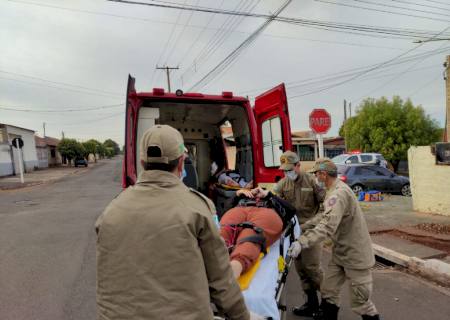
(216, 128)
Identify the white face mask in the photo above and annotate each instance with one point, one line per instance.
(320, 183)
(291, 175)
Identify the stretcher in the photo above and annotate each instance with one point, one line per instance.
(265, 294)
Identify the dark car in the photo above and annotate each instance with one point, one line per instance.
(80, 162)
(362, 177)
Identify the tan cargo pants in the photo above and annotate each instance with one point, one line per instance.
(308, 267)
(360, 285)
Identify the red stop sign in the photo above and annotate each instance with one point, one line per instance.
(319, 121)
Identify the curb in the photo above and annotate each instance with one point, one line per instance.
(27, 185)
(434, 269)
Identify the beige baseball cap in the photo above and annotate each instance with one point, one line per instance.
(324, 164)
(288, 160)
(167, 139)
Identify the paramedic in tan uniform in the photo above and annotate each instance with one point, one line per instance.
(159, 252)
(352, 254)
(300, 190)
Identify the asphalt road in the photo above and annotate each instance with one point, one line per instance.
(47, 245)
(47, 256)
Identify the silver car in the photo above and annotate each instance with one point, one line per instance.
(366, 158)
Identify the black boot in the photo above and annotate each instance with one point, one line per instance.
(375, 317)
(310, 307)
(327, 311)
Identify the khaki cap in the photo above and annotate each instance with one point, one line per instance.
(288, 160)
(167, 139)
(324, 164)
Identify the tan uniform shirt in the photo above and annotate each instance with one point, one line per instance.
(342, 221)
(160, 255)
(303, 193)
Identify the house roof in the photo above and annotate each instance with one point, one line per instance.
(46, 141)
(10, 125)
(40, 142)
(52, 141)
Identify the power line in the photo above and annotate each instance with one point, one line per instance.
(15, 108)
(229, 25)
(188, 51)
(439, 2)
(180, 35)
(378, 10)
(228, 60)
(92, 120)
(60, 83)
(351, 72)
(166, 45)
(399, 7)
(421, 5)
(392, 79)
(171, 5)
(414, 92)
(359, 74)
(55, 87)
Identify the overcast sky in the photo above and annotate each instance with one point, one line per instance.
(77, 54)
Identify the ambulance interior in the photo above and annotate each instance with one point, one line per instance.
(216, 133)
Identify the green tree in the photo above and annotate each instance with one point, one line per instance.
(91, 147)
(389, 128)
(112, 144)
(102, 151)
(71, 148)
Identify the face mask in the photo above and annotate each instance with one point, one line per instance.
(291, 175)
(320, 183)
(183, 174)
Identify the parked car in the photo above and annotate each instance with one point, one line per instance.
(80, 162)
(372, 158)
(362, 177)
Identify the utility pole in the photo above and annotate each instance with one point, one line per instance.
(350, 107)
(447, 87)
(167, 73)
(43, 124)
(345, 125)
(62, 134)
(345, 110)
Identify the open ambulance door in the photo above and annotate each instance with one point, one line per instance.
(273, 134)
(129, 156)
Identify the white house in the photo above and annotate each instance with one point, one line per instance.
(9, 156)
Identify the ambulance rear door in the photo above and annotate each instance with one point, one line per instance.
(129, 157)
(273, 133)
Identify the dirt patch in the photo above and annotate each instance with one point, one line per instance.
(428, 241)
(434, 228)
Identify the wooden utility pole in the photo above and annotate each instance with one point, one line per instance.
(168, 74)
(447, 89)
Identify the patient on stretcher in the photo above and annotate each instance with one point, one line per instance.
(252, 226)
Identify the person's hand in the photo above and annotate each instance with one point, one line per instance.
(295, 249)
(254, 316)
(245, 192)
(260, 192)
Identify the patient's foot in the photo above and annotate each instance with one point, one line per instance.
(237, 268)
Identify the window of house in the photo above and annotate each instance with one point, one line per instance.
(272, 142)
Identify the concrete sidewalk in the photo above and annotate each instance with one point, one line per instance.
(43, 176)
(417, 241)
